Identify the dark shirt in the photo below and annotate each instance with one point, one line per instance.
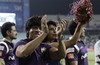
(78, 53)
(6, 53)
(36, 58)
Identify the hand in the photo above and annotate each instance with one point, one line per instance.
(44, 26)
(64, 24)
(59, 29)
(61, 26)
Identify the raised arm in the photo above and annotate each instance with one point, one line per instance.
(59, 50)
(27, 49)
(75, 37)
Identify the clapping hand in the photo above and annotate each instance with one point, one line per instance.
(61, 26)
(44, 26)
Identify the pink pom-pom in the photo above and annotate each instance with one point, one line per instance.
(82, 10)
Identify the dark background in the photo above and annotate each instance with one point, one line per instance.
(26, 8)
(53, 7)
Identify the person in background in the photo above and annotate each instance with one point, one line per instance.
(97, 52)
(8, 31)
(56, 29)
(82, 10)
(77, 54)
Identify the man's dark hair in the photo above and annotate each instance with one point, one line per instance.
(51, 23)
(6, 27)
(33, 21)
(72, 26)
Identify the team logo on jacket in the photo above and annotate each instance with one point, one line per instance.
(43, 49)
(11, 57)
(84, 56)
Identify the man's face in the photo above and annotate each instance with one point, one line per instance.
(34, 32)
(13, 33)
(52, 32)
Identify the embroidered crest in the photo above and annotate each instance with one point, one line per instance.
(43, 49)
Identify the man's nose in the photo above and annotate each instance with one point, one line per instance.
(54, 31)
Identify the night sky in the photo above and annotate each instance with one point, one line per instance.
(53, 7)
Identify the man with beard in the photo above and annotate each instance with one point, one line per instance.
(8, 31)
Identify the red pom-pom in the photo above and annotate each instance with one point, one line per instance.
(82, 10)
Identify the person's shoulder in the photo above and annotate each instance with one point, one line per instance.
(3, 46)
(98, 42)
(21, 42)
(2, 43)
(70, 49)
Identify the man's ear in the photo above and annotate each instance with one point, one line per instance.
(8, 32)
